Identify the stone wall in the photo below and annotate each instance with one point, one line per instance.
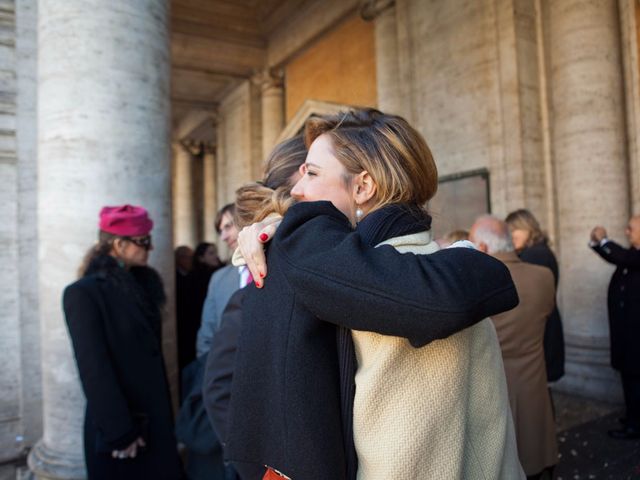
(340, 67)
(239, 155)
(26, 136)
(513, 87)
(448, 60)
(20, 376)
(10, 381)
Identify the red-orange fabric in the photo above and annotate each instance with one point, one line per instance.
(271, 475)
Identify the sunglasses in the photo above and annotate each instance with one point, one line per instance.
(142, 242)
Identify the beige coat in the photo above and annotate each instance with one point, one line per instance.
(520, 332)
(436, 412)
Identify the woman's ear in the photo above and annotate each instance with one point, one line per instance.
(364, 188)
(117, 246)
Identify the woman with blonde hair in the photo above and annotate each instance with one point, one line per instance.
(532, 246)
(439, 411)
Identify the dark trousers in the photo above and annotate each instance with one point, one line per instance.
(631, 390)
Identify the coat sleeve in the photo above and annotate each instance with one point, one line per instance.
(209, 321)
(619, 256)
(218, 377)
(419, 297)
(108, 406)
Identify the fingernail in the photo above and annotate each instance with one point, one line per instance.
(258, 284)
(263, 237)
(262, 275)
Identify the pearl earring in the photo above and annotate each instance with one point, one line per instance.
(359, 214)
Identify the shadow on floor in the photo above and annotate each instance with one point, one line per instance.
(586, 451)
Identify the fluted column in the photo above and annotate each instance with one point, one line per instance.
(588, 143)
(210, 203)
(103, 117)
(271, 88)
(391, 96)
(184, 207)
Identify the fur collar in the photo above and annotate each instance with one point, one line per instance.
(143, 284)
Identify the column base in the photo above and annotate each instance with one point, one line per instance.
(47, 464)
(588, 370)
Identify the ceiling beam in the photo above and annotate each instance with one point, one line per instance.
(213, 55)
(199, 29)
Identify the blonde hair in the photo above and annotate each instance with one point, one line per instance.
(523, 219)
(387, 147)
(255, 201)
(456, 236)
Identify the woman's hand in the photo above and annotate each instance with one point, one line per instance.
(131, 451)
(251, 242)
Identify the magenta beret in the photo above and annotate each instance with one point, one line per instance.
(125, 220)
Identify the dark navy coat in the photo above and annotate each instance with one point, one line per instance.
(541, 254)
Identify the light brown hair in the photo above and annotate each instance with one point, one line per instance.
(387, 147)
(523, 219)
(255, 201)
(456, 236)
(102, 247)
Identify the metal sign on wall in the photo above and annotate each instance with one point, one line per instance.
(461, 198)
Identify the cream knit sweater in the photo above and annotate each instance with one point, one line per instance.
(436, 412)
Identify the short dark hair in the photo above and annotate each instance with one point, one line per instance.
(228, 208)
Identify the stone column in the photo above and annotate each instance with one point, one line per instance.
(184, 207)
(390, 93)
(630, 23)
(10, 341)
(270, 82)
(104, 139)
(27, 140)
(589, 148)
(210, 203)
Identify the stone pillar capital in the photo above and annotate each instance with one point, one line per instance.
(268, 79)
(371, 9)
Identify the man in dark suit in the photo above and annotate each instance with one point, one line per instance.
(624, 318)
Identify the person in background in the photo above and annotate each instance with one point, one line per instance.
(624, 318)
(183, 256)
(184, 260)
(520, 332)
(532, 246)
(223, 282)
(113, 314)
(205, 263)
(452, 237)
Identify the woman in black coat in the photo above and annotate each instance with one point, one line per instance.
(114, 320)
(532, 246)
(205, 263)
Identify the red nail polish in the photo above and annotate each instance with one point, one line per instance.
(258, 284)
(263, 237)
(262, 275)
